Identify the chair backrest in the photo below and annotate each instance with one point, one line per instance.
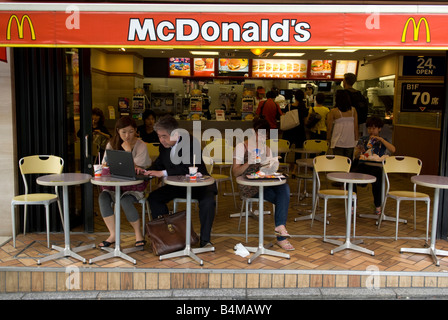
(219, 150)
(208, 161)
(281, 145)
(402, 164)
(330, 163)
(40, 164)
(318, 145)
(153, 150)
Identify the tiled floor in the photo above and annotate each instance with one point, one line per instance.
(311, 254)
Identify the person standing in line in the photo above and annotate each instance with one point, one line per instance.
(269, 110)
(342, 126)
(296, 136)
(319, 131)
(125, 138)
(359, 102)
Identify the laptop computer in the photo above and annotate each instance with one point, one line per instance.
(121, 165)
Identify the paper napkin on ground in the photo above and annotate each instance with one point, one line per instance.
(241, 250)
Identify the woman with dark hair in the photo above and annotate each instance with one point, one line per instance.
(297, 135)
(125, 138)
(146, 131)
(342, 126)
(247, 161)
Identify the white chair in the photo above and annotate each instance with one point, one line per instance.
(326, 164)
(37, 164)
(404, 165)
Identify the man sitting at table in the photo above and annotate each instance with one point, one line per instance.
(171, 150)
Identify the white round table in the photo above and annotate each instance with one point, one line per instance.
(183, 181)
(261, 183)
(65, 180)
(350, 178)
(110, 181)
(436, 182)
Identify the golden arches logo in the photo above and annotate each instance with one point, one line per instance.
(416, 29)
(20, 26)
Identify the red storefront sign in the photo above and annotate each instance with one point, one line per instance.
(209, 29)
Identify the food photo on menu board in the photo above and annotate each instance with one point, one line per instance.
(180, 67)
(321, 69)
(204, 67)
(233, 67)
(289, 69)
(345, 66)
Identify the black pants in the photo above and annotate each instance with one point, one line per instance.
(377, 172)
(205, 195)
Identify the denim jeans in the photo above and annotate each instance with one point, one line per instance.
(279, 196)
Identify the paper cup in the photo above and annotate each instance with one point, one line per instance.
(193, 173)
(257, 155)
(97, 169)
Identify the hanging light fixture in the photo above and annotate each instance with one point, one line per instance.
(257, 51)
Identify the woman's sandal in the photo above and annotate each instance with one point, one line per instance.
(378, 211)
(286, 245)
(281, 232)
(105, 244)
(140, 243)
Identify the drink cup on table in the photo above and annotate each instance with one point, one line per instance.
(97, 169)
(193, 173)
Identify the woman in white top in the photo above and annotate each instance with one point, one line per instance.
(342, 125)
(125, 138)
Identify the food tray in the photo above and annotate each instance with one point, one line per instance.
(267, 177)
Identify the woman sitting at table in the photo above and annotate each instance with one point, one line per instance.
(246, 161)
(125, 138)
(369, 152)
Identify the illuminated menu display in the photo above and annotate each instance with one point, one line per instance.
(321, 69)
(203, 67)
(345, 66)
(180, 67)
(287, 69)
(233, 67)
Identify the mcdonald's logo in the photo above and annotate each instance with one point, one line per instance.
(416, 29)
(20, 26)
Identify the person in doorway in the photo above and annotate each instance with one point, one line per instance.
(372, 147)
(125, 138)
(342, 126)
(146, 131)
(170, 146)
(319, 131)
(245, 163)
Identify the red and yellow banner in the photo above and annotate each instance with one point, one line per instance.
(209, 29)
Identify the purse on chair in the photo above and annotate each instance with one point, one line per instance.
(167, 233)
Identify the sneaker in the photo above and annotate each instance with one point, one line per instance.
(206, 244)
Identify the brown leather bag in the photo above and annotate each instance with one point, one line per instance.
(167, 233)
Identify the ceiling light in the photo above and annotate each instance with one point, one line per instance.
(122, 49)
(288, 54)
(257, 51)
(341, 50)
(205, 53)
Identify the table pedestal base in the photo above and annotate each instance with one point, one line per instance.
(116, 252)
(383, 218)
(262, 250)
(430, 251)
(66, 252)
(349, 245)
(189, 253)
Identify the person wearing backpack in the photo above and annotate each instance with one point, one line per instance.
(359, 102)
(319, 130)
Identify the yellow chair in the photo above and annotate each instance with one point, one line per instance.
(282, 146)
(326, 164)
(153, 150)
(37, 164)
(320, 146)
(221, 153)
(404, 165)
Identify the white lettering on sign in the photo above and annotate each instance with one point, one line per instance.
(211, 31)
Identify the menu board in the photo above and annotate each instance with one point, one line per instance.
(233, 67)
(320, 69)
(288, 69)
(345, 66)
(203, 67)
(179, 67)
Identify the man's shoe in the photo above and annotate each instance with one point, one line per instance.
(206, 244)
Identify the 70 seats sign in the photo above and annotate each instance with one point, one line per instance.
(422, 97)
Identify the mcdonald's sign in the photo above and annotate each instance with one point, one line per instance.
(416, 29)
(20, 26)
